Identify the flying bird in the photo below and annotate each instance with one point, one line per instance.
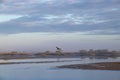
(58, 48)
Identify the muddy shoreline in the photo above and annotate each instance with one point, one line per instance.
(95, 66)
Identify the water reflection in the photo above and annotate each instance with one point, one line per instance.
(47, 71)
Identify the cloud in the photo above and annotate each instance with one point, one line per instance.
(54, 6)
(104, 32)
(96, 16)
(0, 1)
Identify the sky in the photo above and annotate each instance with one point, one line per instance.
(41, 25)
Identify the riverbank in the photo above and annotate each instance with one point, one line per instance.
(95, 66)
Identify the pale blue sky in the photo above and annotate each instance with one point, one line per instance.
(7, 17)
(39, 25)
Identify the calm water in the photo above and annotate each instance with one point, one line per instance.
(48, 71)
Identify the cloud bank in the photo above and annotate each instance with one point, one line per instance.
(90, 16)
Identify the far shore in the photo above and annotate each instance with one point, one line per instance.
(60, 54)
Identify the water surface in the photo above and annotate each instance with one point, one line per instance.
(48, 71)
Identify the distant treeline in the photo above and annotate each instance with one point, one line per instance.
(48, 54)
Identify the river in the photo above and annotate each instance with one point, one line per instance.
(48, 71)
